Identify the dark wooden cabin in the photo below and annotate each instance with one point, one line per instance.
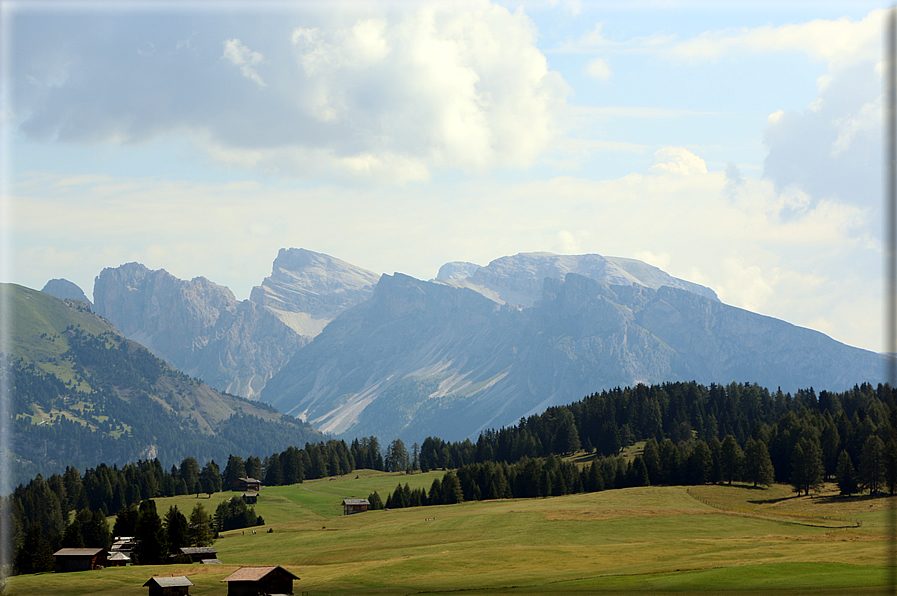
(79, 559)
(254, 581)
(246, 484)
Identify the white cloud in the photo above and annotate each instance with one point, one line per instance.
(677, 160)
(661, 261)
(567, 244)
(594, 41)
(598, 68)
(831, 41)
(454, 88)
(348, 94)
(239, 55)
(832, 148)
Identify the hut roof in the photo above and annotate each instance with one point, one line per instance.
(251, 574)
(119, 556)
(169, 582)
(78, 552)
(356, 502)
(199, 550)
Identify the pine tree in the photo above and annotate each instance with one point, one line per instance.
(375, 500)
(176, 529)
(126, 522)
(72, 537)
(189, 473)
(731, 459)
(210, 478)
(872, 464)
(845, 475)
(806, 466)
(199, 530)
(757, 464)
(152, 548)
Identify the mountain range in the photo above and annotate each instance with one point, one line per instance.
(356, 354)
(82, 393)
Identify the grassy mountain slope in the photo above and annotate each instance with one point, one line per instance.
(727, 540)
(83, 394)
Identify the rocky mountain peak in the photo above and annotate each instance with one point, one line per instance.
(197, 326)
(64, 290)
(517, 279)
(306, 289)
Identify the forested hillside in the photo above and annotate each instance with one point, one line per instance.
(692, 435)
(82, 394)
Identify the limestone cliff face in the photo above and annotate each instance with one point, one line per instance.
(306, 289)
(421, 358)
(518, 279)
(197, 326)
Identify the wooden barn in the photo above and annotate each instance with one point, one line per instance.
(199, 553)
(256, 581)
(79, 559)
(351, 506)
(246, 484)
(168, 586)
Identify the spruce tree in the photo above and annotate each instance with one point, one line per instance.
(731, 458)
(845, 475)
(176, 529)
(199, 530)
(872, 464)
(806, 466)
(152, 548)
(757, 464)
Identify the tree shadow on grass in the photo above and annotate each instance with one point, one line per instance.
(773, 501)
(846, 499)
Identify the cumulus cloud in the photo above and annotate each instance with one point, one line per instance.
(387, 96)
(438, 84)
(239, 55)
(831, 148)
(677, 160)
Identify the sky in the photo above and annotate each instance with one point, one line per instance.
(736, 145)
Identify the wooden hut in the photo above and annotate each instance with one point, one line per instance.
(117, 559)
(351, 506)
(168, 586)
(253, 581)
(246, 484)
(79, 559)
(198, 553)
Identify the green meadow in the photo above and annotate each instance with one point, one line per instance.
(668, 540)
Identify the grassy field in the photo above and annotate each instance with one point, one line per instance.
(708, 540)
